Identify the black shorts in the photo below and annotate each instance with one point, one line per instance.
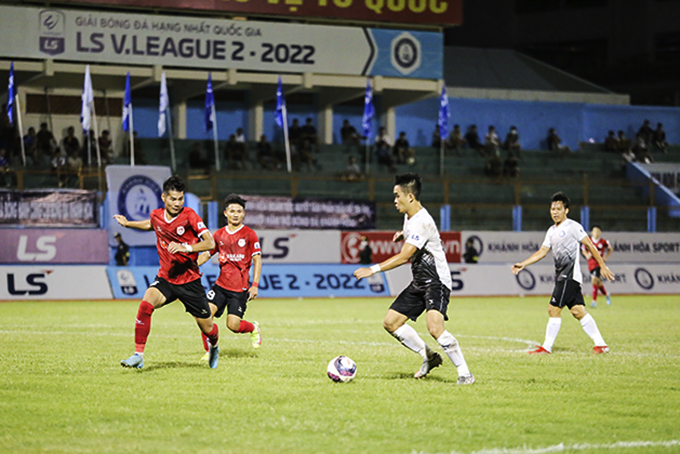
(595, 272)
(234, 302)
(567, 293)
(191, 294)
(413, 300)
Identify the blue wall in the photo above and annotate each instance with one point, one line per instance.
(574, 122)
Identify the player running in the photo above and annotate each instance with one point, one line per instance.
(605, 249)
(239, 248)
(431, 286)
(180, 236)
(565, 238)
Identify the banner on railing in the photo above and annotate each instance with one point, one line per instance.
(309, 213)
(667, 173)
(49, 208)
(49, 282)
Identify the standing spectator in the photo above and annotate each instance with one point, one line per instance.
(234, 153)
(305, 154)
(436, 137)
(349, 135)
(472, 139)
(31, 145)
(456, 140)
(309, 133)
(555, 143)
(641, 151)
(383, 149)
(403, 150)
(512, 143)
(471, 255)
(240, 135)
(197, 159)
(70, 142)
(105, 146)
(295, 133)
(646, 132)
(122, 251)
(659, 139)
(611, 142)
(510, 166)
(265, 155)
(491, 142)
(46, 143)
(365, 252)
(4, 168)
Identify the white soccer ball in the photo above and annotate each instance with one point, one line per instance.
(341, 369)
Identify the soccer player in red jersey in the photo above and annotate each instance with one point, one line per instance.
(238, 247)
(180, 237)
(605, 249)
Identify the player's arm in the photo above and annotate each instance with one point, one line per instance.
(535, 257)
(585, 253)
(604, 271)
(398, 236)
(203, 257)
(206, 244)
(257, 272)
(393, 262)
(608, 253)
(138, 225)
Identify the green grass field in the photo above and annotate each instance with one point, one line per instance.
(62, 389)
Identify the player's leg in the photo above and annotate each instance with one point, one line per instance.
(596, 286)
(204, 338)
(435, 325)
(395, 324)
(193, 296)
(590, 327)
(600, 287)
(153, 298)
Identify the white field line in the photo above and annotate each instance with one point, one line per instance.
(572, 448)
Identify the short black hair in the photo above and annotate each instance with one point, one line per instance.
(410, 182)
(174, 183)
(234, 198)
(595, 226)
(560, 197)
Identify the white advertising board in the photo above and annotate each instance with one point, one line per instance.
(629, 247)
(54, 283)
(300, 246)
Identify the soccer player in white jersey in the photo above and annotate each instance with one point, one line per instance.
(431, 286)
(565, 239)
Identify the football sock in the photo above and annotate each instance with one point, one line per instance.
(410, 339)
(595, 290)
(551, 331)
(204, 338)
(590, 327)
(143, 325)
(213, 336)
(604, 292)
(453, 351)
(246, 327)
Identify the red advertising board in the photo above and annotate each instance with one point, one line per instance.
(383, 247)
(424, 12)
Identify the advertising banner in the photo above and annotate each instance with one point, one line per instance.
(277, 281)
(49, 208)
(195, 42)
(628, 247)
(134, 192)
(382, 246)
(667, 173)
(54, 246)
(434, 12)
(308, 213)
(299, 246)
(54, 283)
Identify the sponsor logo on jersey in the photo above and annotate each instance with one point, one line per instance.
(180, 230)
(241, 242)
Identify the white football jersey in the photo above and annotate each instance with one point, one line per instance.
(565, 242)
(429, 262)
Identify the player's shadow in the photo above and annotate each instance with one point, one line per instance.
(236, 353)
(174, 365)
(430, 377)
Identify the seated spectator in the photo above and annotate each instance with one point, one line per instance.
(309, 133)
(305, 153)
(70, 143)
(555, 143)
(240, 135)
(611, 142)
(4, 168)
(383, 149)
(31, 145)
(436, 137)
(456, 140)
(352, 171)
(491, 142)
(641, 151)
(105, 146)
(646, 132)
(625, 144)
(494, 165)
(294, 133)
(58, 163)
(512, 143)
(349, 135)
(659, 140)
(510, 166)
(235, 153)
(197, 159)
(403, 151)
(265, 155)
(45, 142)
(472, 139)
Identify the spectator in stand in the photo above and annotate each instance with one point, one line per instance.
(306, 156)
(197, 159)
(365, 252)
(234, 154)
(512, 143)
(436, 137)
(456, 140)
(242, 146)
(611, 142)
(295, 133)
(349, 136)
(491, 142)
(105, 146)
(265, 155)
(58, 163)
(625, 144)
(31, 145)
(122, 251)
(510, 166)
(555, 143)
(4, 168)
(641, 151)
(472, 139)
(383, 149)
(240, 135)
(352, 171)
(659, 140)
(70, 143)
(74, 161)
(309, 133)
(403, 150)
(471, 255)
(494, 166)
(46, 143)
(646, 132)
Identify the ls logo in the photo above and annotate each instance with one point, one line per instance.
(33, 280)
(46, 249)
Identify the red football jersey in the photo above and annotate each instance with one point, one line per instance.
(186, 227)
(236, 251)
(601, 245)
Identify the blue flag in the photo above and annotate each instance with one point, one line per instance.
(10, 94)
(280, 104)
(369, 111)
(127, 105)
(444, 115)
(210, 118)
